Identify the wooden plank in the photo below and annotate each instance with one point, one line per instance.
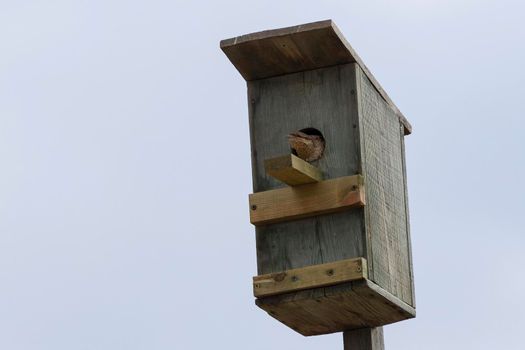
(407, 218)
(364, 339)
(309, 277)
(292, 170)
(291, 203)
(342, 307)
(286, 50)
(294, 49)
(385, 213)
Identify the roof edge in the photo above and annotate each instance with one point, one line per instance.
(275, 52)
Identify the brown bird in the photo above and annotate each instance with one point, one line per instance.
(307, 146)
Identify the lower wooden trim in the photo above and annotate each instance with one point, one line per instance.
(310, 277)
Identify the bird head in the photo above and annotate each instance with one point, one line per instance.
(308, 147)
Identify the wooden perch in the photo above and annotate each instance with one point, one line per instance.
(292, 170)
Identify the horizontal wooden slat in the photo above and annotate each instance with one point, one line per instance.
(309, 277)
(292, 170)
(302, 201)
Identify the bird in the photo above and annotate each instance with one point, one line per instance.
(308, 147)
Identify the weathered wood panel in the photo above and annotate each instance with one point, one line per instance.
(385, 212)
(290, 203)
(324, 99)
(338, 308)
(287, 50)
(364, 339)
(314, 276)
(407, 218)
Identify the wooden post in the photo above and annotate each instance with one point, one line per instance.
(364, 339)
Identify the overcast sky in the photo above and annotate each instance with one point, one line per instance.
(125, 170)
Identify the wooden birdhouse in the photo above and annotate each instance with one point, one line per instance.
(329, 200)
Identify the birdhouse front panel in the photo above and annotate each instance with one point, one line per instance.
(323, 99)
(329, 198)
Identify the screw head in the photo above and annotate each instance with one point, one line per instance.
(253, 207)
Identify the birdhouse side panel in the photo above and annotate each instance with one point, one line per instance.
(386, 213)
(407, 216)
(324, 99)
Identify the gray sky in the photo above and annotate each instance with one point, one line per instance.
(125, 170)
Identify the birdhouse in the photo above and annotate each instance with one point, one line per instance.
(329, 201)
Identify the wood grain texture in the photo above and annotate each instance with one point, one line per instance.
(324, 99)
(353, 305)
(385, 213)
(364, 339)
(286, 50)
(407, 220)
(292, 170)
(294, 49)
(290, 203)
(309, 277)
